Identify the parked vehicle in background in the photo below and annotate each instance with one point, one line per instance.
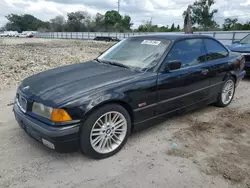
(9, 34)
(12, 33)
(115, 39)
(30, 35)
(107, 39)
(3, 35)
(26, 35)
(97, 104)
(243, 47)
(22, 35)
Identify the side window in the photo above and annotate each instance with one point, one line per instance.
(215, 50)
(189, 52)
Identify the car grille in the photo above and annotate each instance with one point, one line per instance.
(22, 103)
(247, 58)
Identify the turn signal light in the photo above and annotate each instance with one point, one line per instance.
(60, 115)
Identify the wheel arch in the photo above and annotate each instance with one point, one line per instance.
(232, 74)
(235, 77)
(124, 104)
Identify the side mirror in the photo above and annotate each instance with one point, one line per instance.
(174, 65)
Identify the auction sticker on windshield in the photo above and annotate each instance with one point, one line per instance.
(151, 42)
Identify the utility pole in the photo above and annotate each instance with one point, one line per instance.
(118, 2)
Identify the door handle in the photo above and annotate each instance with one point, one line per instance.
(204, 71)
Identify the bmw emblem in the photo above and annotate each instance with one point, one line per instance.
(26, 87)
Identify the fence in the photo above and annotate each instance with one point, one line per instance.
(226, 37)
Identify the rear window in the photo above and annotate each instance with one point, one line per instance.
(215, 50)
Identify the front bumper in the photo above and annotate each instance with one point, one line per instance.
(62, 139)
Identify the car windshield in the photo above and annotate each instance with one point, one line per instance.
(245, 40)
(136, 52)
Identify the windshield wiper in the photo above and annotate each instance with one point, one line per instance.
(96, 59)
(117, 64)
(112, 63)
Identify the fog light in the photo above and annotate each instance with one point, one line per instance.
(48, 144)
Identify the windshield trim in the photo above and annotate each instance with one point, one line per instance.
(158, 67)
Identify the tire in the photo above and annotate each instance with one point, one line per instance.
(220, 101)
(91, 131)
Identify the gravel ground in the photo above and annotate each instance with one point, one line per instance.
(212, 144)
(22, 57)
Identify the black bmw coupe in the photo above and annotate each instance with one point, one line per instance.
(96, 105)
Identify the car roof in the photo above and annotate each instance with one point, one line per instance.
(173, 36)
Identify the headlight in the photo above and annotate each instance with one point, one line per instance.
(56, 115)
(42, 110)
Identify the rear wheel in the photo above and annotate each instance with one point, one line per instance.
(105, 131)
(226, 95)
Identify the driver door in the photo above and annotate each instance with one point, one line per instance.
(188, 85)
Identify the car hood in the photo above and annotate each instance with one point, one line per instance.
(240, 48)
(56, 86)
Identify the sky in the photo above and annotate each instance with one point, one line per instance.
(162, 12)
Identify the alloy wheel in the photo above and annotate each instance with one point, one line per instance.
(228, 91)
(108, 132)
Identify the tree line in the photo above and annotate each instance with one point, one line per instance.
(75, 22)
(202, 18)
(82, 21)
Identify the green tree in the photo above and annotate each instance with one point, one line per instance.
(147, 27)
(152, 28)
(24, 22)
(202, 14)
(246, 26)
(163, 29)
(78, 21)
(98, 23)
(126, 23)
(178, 28)
(229, 24)
(239, 26)
(172, 27)
(112, 19)
(58, 23)
(99, 18)
(233, 24)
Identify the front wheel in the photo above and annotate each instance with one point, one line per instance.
(226, 94)
(105, 131)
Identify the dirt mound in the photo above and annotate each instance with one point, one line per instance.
(220, 146)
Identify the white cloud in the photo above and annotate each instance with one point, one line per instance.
(162, 12)
(246, 3)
